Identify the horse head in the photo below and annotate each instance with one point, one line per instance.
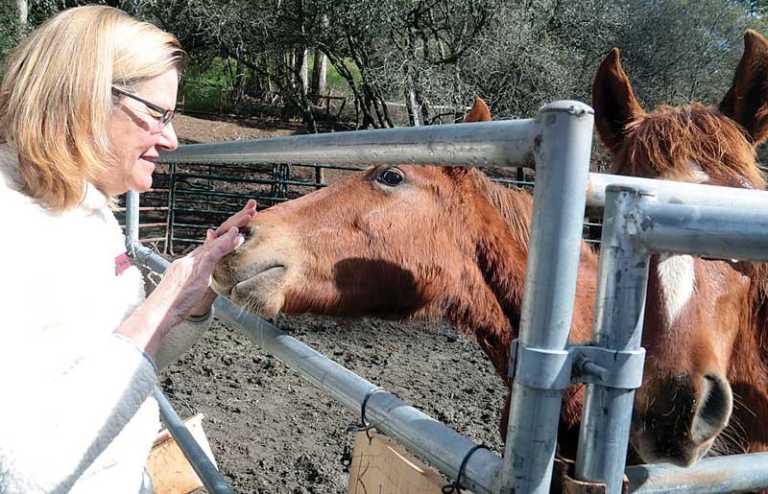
(697, 331)
(400, 242)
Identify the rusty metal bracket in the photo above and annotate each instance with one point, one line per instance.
(563, 481)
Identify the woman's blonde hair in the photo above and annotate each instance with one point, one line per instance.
(56, 96)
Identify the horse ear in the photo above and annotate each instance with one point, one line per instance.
(746, 100)
(479, 112)
(614, 101)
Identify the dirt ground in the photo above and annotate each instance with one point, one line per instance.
(273, 432)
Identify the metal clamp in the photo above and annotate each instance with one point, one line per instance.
(543, 368)
(540, 368)
(610, 368)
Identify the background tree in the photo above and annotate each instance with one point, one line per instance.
(416, 61)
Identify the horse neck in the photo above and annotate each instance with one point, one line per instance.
(748, 373)
(491, 309)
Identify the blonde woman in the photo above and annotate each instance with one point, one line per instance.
(85, 107)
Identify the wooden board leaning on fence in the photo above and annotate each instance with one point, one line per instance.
(382, 466)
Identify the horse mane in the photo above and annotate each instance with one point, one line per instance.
(515, 206)
(671, 138)
(758, 300)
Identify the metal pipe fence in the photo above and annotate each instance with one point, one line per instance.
(620, 304)
(550, 286)
(509, 142)
(681, 218)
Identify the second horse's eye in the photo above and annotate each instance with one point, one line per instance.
(391, 177)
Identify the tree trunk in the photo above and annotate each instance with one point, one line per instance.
(302, 69)
(22, 9)
(319, 71)
(414, 112)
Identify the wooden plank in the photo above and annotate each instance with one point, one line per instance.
(169, 469)
(381, 466)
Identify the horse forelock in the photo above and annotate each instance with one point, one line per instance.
(680, 143)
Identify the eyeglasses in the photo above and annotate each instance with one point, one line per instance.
(163, 115)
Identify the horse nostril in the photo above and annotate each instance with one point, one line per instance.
(245, 231)
(714, 411)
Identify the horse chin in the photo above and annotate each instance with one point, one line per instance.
(683, 454)
(262, 293)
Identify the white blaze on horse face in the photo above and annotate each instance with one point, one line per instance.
(676, 273)
(677, 279)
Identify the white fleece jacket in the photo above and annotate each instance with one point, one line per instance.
(77, 415)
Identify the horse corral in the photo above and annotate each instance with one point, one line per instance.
(637, 228)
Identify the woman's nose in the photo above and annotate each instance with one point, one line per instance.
(168, 139)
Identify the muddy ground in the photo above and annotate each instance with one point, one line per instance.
(273, 432)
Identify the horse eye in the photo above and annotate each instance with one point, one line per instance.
(391, 177)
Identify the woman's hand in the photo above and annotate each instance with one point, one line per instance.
(185, 287)
(239, 220)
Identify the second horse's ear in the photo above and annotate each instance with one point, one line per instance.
(479, 112)
(614, 101)
(746, 101)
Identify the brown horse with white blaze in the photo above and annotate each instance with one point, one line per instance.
(706, 376)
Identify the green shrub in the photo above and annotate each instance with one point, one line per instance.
(207, 87)
(9, 30)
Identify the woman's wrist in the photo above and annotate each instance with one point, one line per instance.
(146, 326)
(203, 307)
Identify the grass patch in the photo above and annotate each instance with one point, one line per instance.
(208, 87)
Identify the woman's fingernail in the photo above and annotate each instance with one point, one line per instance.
(239, 241)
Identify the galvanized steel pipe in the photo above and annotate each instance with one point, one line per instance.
(724, 233)
(502, 143)
(667, 191)
(131, 218)
(622, 282)
(723, 474)
(562, 165)
(212, 480)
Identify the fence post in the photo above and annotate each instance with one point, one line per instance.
(562, 150)
(131, 219)
(618, 325)
(171, 216)
(205, 469)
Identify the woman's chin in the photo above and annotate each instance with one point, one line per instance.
(141, 184)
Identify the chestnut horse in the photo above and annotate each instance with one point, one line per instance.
(401, 242)
(707, 353)
(409, 241)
